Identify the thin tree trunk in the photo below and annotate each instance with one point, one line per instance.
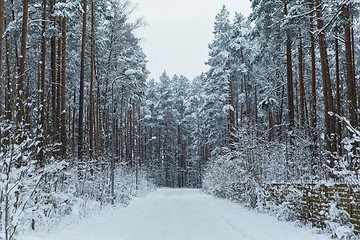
(128, 126)
(296, 102)
(247, 102)
(2, 11)
(353, 58)
(17, 62)
(301, 82)
(290, 86)
(53, 73)
(43, 71)
(139, 137)
(350, 78)
(97, 138)
(92, 64)
(21, 99)
(150, 150)
(74, 118)
(63, 87)
(338, 96)
(256, 111)
(243, 81)
(58, 89)
(328, 98)
(313, 113)
(9, 92)
(121, 121)
(231, 111)
(133, 132)
(82, 78)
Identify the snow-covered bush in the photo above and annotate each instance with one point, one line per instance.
(34, 198)
(338, 222)
(222, 172)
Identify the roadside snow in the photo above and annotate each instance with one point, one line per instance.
(181, 214)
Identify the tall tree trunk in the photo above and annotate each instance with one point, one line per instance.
(338, 96)
(232, 129)
(82, 78)
(256, 111)
(150, 149)
(328, 98)
(74, 118)
(296, 102)
(350, 81)
(43, 71)
(21, 114)
(2, 11)
(127, 138)
(139, 133)
(9, 92)
(350, 78)
(313, 114)
(92, 65)
(17, 58)
(353, 63)
(53, 72)
(58, 88)
(98, 118)
(121, 120)
(97, 121)
(247, 102)
(243, 82)
(133, 132)
(290, 87)
(42, 87)
(301, 82)
(63, 87)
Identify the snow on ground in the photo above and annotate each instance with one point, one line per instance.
(181, 214)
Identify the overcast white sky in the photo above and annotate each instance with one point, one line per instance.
(179, 31)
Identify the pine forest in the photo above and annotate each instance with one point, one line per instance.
(82, 125)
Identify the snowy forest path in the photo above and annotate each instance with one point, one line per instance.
(182, 214)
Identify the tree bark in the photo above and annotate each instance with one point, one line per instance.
(121, 120)
(301, 82)
(82, 78)
(63, 87)
(9, 92)
(350, 78)
(338, 96)
(328, 98)
(2, 11)
(313, 113)
(58, 89)
(139, 133)
(232, 130)
(290, 87)
(21, 114)
(43, 71)
(92, 64)
(53, 73)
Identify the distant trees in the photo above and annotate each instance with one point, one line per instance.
(280, 87)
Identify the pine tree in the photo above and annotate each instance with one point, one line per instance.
(82, 79)
(21, 98)
(63, 87)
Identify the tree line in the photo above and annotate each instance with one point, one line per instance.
(280, 99)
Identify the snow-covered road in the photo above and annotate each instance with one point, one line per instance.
(181, 214)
